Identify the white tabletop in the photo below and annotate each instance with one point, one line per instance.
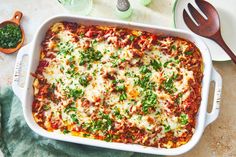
(217, 140)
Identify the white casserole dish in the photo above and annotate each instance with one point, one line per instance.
(32, 50)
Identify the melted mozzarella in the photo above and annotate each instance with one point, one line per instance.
(58, 72)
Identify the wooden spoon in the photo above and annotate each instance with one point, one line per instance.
(16, 21)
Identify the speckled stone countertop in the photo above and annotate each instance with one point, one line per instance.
(219, 138)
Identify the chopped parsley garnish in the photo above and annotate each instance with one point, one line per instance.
(97, 125)
(145, 82)
(115, 63)
(130, 74)
(74, 118)
(114, 56)
(90, 66)
(120, 88)
(117, 113)
(10, 36)
(139, 117)
(72, 72)
(149, 100)
(86, 135)
(95, 72)
(188, 52)
(108, 137)
(156, 64)
(116, 60)
(60, 81)
(173, 61)
(83, 80)
(52, 88)
(65, 48)
(183, 119)
(144, 69)
(69, 108)
(103, 124)
(46, 107)
(168, 85)
(106, 122)
(173, 47)
(89, 55)
(166, 63)
(94, 42)
(131, 38)
(167, 128)
(178, 99)
(122, 60)
(127, 111)
(106, 51)
(65, 131)
(107, 118)
(71, 62)
(71, 59)
(123, 96)
(75, 93)
(81, 35)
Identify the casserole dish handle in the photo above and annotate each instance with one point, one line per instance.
(18, 90)
(210, 117)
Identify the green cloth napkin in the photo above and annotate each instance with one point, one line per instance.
(18, 140)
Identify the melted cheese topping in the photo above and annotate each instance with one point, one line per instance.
(98, 90)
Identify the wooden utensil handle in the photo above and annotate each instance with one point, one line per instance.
(17, 17)
(219, 39)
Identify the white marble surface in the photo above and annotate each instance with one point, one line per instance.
(219, 138)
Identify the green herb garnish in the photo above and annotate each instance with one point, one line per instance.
(108, 137)
(69, 108)
(123, 96)
(104, 124)
(183, 119)
(131, 38)
(94, 42)
(81, 35)
(65, 48)
(83, 80)
(166, 63)
(188, 52)
(149, 100)
(178, 99)
(46, 107)
(90, 55)
(167, 128)
(168, 85)
(156, 65)
(117, 113)
(86, 135)
(145, 82)
(144, 69)
(74, 118)
(120, 88)
(65, 131)
(75, 93)
(173, 47)
(10, 36)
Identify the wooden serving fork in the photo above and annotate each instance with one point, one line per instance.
(208, 27)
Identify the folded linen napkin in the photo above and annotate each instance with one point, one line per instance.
(18, 140)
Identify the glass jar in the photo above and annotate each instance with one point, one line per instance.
(82, 7)
(145, 2)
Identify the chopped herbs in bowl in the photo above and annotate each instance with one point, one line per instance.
(10, 36)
